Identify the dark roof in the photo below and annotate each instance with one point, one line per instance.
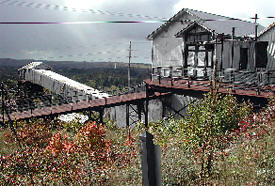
(189, 27)
(220, 24)
(267, 29)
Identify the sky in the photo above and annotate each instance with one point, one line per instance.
(102, 41)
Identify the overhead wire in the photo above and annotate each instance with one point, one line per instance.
(73, 22)
(101, 22)
(48, 6)
(72, 9)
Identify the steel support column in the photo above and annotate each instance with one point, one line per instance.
(127, 115)
(147, 105)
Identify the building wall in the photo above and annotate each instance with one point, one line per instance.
(270, 37)
(167, 50)
(226, 55)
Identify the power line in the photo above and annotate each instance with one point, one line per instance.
(99, 22)
(154, 19)
(72, 9)
(73, 22)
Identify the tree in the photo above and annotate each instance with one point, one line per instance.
(91, 83)
(207, 122)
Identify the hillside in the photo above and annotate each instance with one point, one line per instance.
(91, 73)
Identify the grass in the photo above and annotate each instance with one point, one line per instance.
(6, 147)
(249, 162)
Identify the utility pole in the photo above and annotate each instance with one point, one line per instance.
(256, 37)
(129, 65)
(256, 26)
(232, 54)
(129, 86)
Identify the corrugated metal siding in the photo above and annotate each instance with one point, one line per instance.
(227, 54)
(270, 37)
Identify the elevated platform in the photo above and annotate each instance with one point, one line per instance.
(193, 86)
(94, 105)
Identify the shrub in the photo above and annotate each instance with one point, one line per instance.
(249, 158)
(84, 158)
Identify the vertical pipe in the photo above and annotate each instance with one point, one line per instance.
(232, 53)
(159, 74)
(127, 116)
(185, 67)
(205, 64)
(171, 74)
(214, 80)
(129, 67)
(213, 51)
(256, 38)
(221, 63)
(139, 107)
(146, 105)
(182, 53)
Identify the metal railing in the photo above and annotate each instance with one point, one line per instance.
(18, 100)
(236, 78)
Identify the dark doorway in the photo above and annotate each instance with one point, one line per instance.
(261, 54)
(243, 58)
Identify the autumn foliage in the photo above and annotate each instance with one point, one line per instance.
(242, 151)
(57, 157)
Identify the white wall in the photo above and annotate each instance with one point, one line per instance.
(167, 49)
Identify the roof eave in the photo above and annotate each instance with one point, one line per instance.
(267, 29)
(167, 23)
(180, 33)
